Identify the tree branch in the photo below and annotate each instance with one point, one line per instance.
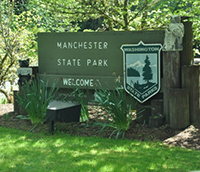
(125, 15)
(7, 69)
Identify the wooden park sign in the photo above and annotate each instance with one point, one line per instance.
(81, 59)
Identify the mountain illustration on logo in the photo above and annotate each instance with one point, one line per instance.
(137, 64)
(133, 69)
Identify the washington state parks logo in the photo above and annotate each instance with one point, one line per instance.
(142, 70)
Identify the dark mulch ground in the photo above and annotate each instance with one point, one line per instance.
(188, 138)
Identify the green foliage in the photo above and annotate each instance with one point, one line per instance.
(23, 151)
(81, 97)
(7, 48)
(120, 15)
(6, 116)
(117, 15)
(51, 20)
(3, 100)
(17, 41)
(121, 110)
(35, 98)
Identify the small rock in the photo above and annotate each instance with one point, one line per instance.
(185, 143)
(197, 147)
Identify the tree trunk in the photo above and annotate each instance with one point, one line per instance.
(9, 96)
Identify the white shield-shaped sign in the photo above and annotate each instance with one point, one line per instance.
(142, 70)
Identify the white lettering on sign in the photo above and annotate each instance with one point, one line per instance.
(144, 49)
(99, 62)
(146, 94)
(69, 62)
(88, 62)
(82, 45)
(78, 82)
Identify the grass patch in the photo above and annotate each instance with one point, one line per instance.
(22, 151)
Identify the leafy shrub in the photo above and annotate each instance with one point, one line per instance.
(35, 98)
(82, 98)
(120, 108)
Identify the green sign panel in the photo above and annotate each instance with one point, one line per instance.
(81, 59)
(142, 70)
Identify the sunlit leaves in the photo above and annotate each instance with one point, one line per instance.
(17, 40)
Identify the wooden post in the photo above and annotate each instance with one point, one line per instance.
(21, 110)
(157, 104)
(143, 117)
(191, 81)
(179, 108)
(171, 77)
(17, 108)
(16, 104)
(187, 57)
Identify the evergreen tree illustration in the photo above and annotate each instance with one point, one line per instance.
(147, 71)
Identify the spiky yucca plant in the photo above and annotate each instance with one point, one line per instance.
(120, 108)
(81, 97)
(35, 98)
